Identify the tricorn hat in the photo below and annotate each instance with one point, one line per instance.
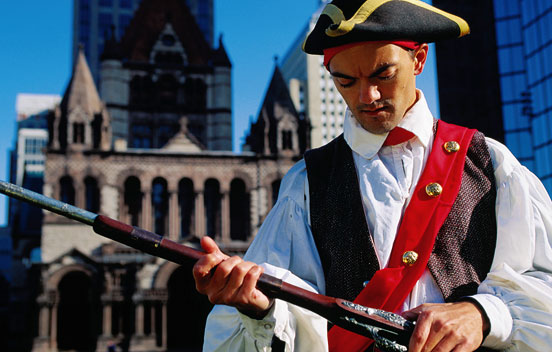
(350, 21)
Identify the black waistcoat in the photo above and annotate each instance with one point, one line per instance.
(464, 246)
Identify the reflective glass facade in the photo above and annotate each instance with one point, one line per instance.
(524, 42)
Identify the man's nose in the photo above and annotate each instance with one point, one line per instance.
(369, 93)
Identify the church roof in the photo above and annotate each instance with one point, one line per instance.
(81, 91)
(277, 94)
(149, 21)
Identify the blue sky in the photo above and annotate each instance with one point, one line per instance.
(36, 55)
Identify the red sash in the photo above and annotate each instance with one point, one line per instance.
(421, 222)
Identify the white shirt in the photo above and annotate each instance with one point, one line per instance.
(516, 295)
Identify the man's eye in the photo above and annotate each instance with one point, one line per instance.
(386, 77)
(345, 82)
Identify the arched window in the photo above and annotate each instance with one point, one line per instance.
(78, 132)
(67, 190)
(212, 207)
(239, 211)
(91, 194)
(97, 131)
(133, 199)
(160, 205)
(287, 140)
(186, 203)
(275, 190)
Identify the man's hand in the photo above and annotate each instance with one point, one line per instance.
(447, 327)
(232, 282)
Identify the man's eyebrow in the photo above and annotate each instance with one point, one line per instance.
(376, 73)
(341, 75)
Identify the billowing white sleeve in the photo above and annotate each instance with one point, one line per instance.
(284, 241)
(517, 293)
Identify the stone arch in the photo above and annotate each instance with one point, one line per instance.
(78, 311)
(246, 178)
(53, 280)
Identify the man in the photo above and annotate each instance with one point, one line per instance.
(439, 222)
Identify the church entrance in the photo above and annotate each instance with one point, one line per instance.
(187, 312)
(77, 323)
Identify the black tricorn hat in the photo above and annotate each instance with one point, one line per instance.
(350, 21)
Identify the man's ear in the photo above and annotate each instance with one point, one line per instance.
(420, 58)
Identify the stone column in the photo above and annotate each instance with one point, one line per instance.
(174, 216)
(43, 321)
(106, 323)
(139, 319)
(199, 215)
(152, 319)
(164, 324)
(146, 211)
(53, 324)
(225, 217)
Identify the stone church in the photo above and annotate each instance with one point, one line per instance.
(151, 147)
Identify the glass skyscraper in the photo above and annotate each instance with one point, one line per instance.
(524, 43)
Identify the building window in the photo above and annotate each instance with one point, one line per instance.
(275, 190)
(239, 211)
(186, 202)
(78, 132)
(105, 21)
(92, 194)
(125, 4)
(67, 190)
(133, 199)
(212, 199)
(160, 205)
(287, 140)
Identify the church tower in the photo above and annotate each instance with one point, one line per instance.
(81, 121)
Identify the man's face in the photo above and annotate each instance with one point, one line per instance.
(378, 82)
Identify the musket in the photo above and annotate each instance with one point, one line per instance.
(390, 331)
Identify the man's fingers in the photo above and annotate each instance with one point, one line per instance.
(421, 332)
(209, 245)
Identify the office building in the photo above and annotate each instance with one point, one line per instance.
(499, 78)
(312, 89)
(524, 42)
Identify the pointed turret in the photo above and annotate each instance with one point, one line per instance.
(81, 121)
(279, 128)
(220, 56)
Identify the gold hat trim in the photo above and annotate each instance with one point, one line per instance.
(463, 25)
(366, 9)
(345, 26)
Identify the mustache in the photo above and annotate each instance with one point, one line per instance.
(386, 103)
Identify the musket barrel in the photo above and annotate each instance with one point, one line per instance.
(47, 203)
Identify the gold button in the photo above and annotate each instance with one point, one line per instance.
(434, 189)
(409, 258)
(451, 146)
